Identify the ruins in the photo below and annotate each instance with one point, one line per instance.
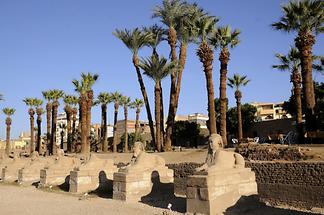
(220, 182)
(135, 180)
(90, 175)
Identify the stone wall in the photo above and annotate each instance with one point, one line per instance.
(298, 184)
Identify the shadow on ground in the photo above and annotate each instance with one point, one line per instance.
(251, 205)
(162, 194)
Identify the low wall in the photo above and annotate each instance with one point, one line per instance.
(298, 184)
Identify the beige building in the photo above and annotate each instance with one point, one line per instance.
(198, 118)
(270, 111)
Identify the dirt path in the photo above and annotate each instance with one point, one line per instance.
(30, 201)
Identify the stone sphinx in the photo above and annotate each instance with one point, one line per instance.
(95, 173)
(57, 173)
(135, 180)
(224, 180)
(217, 158)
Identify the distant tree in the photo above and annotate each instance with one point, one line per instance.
(185, 132)
(31, 103)
(104, 99)
(137, 104)
(236, 83)
(125, 102)
(9, 112)
(248, 118)
(116, 99)
(39, 112)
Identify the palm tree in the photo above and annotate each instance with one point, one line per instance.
(291, 62)
(31, 103)
(9, 112)
(170, 13)
(69, 101)
(104, 99)
(137, 104)
(205, 26)
(223, 38)
(57, 94)
(237, 82)
(48, 97)
(62, 127)
(84, 88)
(39, 112)
(306, 17)
(157, 69)
(74, 104)
(116, 98)
(157, 36)
(134, 41)
(126, 101)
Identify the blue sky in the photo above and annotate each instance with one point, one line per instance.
(45, 44)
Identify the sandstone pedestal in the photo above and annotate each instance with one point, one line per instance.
(58, 173)
(10, 171)
(95, 172)
(213, 193)
(29, 174)
(133, 185)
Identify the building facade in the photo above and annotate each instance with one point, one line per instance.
(270, 111)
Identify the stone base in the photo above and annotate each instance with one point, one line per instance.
(213, 193)
(82, 181)
(132, 186)
(10, 172)
(50, 177)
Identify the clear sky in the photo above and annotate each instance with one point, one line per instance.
(45, 44)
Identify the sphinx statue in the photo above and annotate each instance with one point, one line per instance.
(142, 161)
(218, 158)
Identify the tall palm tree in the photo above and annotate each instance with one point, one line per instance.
(116, 98)
(134, 41)
(48, 97)
(9, 112)
(125, 102)
(104, 99)
(306, 17)
(74, 103)
(236, 83)
(69, 101)
(157, 36)
(291, 63)
(62, 127)
(157, 69)
(137, 104)
(39, 112)
(224, 38)
(169, 14)
(205, 26)
(31, 103)
(57, 94)
(84, 88)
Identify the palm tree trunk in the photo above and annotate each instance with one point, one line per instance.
(83, 116)
(162, 114)
(32, 144)
(74, 113)
(8, 123)
(39, 130)
(172, 40)
(89, 106)
(304, 43)
(126, 129)
(145, 98)
(48, 122)
(115, 128)
(138, 111)
(54, 122)
(104, 127)
(239, 115)
(296, 79)
(206, 56)
(157, 116)
(69, 133)
(223, 58)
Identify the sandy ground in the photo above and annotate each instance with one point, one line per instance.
(30, 201)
